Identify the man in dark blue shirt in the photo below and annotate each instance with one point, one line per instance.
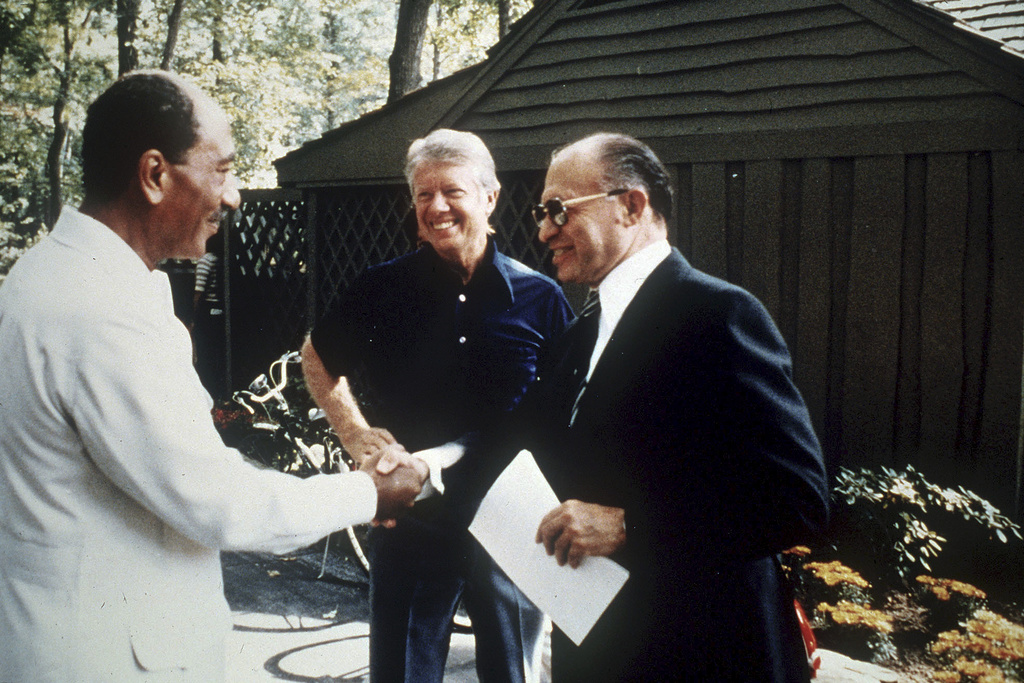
(438, 344)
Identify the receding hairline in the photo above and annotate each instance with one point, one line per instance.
(590, 148)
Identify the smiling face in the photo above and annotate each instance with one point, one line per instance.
(202, 187)
(452, 211)
(594, 239)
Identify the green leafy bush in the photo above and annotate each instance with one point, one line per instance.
(866, 595)
(890, 515)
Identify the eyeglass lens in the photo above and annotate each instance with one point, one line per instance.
(555, 208)
(552, 208)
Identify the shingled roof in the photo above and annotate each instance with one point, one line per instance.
(724, 76)
(1001, 20)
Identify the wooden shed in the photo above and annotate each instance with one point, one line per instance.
(857, 164)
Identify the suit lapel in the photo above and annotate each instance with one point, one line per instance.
(642, 328)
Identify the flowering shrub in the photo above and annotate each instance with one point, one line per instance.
(855, 629)
(948, 602)
(891, 523)
(851, 614)
(988, 648)
(944, 589)
(836, 573)
(972, 670)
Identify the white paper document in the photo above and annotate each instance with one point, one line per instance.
(506, 526)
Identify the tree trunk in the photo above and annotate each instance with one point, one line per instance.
(330, 42)
(504, 17)
(173, 24)
(404, 63)
(439, 17)
(127, 25)
(55, 154)
(218, 32)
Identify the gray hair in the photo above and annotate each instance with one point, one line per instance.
(446, 146)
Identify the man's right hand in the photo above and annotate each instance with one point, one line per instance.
(398, 488)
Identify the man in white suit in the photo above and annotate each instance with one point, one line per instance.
(116, 492)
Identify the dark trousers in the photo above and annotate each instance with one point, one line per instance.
(419, 572)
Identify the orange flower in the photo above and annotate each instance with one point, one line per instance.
(835, 572)
(852, 614)
(941, 588)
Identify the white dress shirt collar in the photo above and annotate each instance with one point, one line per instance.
(620, 286)
(84, 233)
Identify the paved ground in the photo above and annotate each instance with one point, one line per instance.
(294, 624)
(291, 625)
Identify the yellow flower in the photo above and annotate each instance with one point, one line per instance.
(987, 636)
(852, 614)
(833, 573)
(983, 672)
(941, 588)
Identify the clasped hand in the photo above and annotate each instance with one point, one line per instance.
(367, 442)
(399, 478)
(575, 529)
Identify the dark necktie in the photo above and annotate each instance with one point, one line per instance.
(587, 326)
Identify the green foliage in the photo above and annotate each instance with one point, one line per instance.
(459, 33)
(286, 71)
(31, 61)
(891, 511)
(888, 526)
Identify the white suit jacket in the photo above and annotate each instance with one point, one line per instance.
(116, 492)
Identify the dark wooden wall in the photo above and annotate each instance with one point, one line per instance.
(857, 164)
(897, 282)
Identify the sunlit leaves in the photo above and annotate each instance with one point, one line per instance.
(289, 70)
(897, 503)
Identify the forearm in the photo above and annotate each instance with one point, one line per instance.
(335, 398)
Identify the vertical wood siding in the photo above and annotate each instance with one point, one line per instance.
(895, 280)
(856, 164)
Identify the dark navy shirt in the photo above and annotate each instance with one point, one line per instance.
(431, 359)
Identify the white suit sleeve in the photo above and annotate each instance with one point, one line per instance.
(145, 420)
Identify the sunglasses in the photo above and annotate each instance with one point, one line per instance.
(557, 209)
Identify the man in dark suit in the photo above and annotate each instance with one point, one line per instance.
(677, 439)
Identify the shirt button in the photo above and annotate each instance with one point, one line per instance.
(462, 340)
(462, 298)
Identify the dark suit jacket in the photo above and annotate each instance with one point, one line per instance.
(692, 424)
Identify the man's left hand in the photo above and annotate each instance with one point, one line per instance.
(575, 529)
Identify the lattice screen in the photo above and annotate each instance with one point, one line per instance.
(266, 282)
(359, 227)
(274, 259)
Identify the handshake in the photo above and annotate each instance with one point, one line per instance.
(398, 476)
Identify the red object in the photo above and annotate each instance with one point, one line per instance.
(810, 642)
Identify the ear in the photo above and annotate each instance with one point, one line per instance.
(492, 201)
(636, 202)
(153, 177)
